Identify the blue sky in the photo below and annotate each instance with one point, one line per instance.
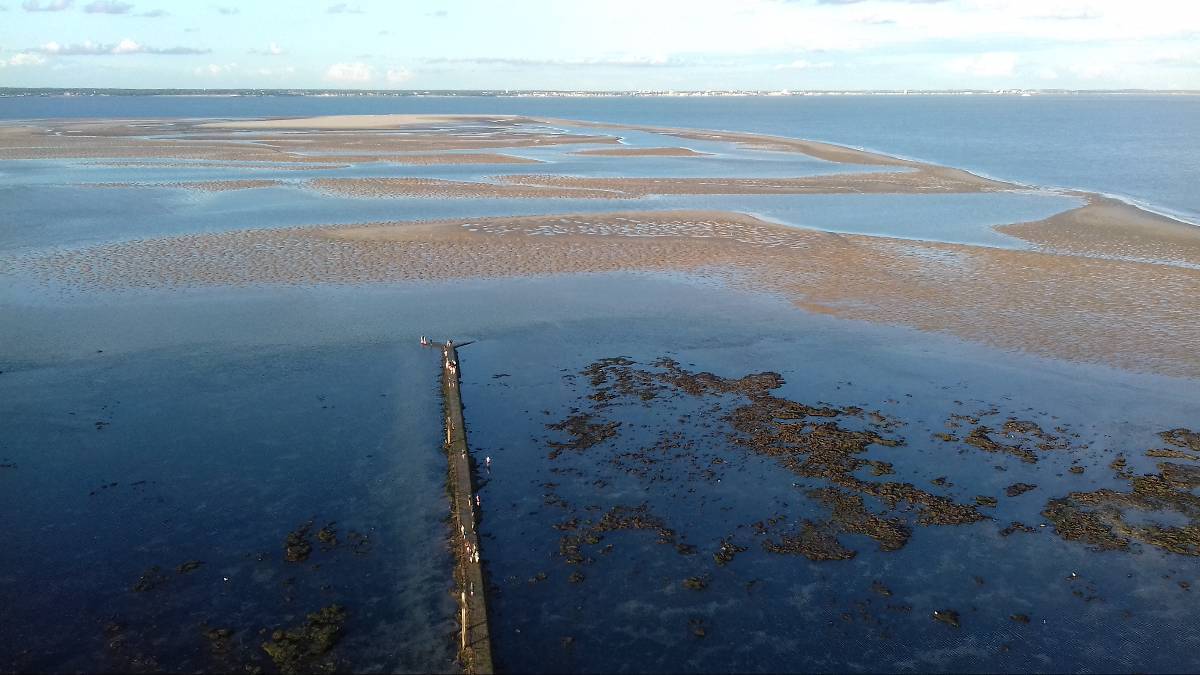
(602, 44)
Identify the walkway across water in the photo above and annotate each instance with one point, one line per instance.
(475, 647)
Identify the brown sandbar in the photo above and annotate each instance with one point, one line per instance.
(1134, 315)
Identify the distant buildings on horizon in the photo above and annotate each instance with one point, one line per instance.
(553, 93)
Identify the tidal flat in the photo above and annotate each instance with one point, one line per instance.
(737, 402)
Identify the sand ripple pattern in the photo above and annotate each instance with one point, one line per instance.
(1130, 314)
(449, 189)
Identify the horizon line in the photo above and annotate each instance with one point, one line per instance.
(7, 90)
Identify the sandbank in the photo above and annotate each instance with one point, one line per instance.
(359, 122)
(929, 180)
(1107, 227)
(826, 151)
(1133, 315)
(449, 189)
(643, 152)
(199, 185)
(123, 140)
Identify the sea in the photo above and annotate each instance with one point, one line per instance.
(1141, 148)
(164, 450)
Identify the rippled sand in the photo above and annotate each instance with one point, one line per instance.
(1107, 282)
(929, 180)
(449, 189)
(1109, 228)
(1130, 314)
(642, 152)
(199, 185)
(183, 140)
(358, 122)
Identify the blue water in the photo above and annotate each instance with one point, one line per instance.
(1142, 147)
(152, 427)
(57, 216)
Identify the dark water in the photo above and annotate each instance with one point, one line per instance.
(156, 433)
(772, 612)
(1144, 148)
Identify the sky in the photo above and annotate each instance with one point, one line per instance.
(602, 44)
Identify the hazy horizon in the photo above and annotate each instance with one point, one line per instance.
(852, 45)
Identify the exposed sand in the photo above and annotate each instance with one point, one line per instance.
(1089, 293)
(643, 152)
(1129, 314)
(118, 140)
(925, 180)
(200, 185)
(359, 122)
(460, 158)
(449, 189)
(826, 151)
(1110, 228)
(218, 166)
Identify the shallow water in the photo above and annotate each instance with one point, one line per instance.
(155, 427)
(772, 612)
(69, 216)
(247, 412)
(1142, 147)
(158, 432)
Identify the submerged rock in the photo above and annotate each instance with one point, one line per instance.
(297, 546)
(151, 579)
(298, 649)
(947, 616)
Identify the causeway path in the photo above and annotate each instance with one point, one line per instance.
(475, 643)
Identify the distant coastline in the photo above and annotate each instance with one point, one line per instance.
(9, 92)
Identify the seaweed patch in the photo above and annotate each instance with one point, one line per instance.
(1100, 518)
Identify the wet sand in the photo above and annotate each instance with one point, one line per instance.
(1127, 314)
(643, 152)
(448, 189)
(180, 140)
(922, 181)
(826, 151)
(359, 122)
(1097, 288)
(1110, 228)
(200, 185)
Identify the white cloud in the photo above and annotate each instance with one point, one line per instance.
(398, 75)
(122, 48)
(107, 7)
(127, 46)
(599, 62)
(803, 64)
(49, 6)
(1174, 57)
(269, 72)
(1065, 11)
(215, 69)
(344, 8)
(349, 73)
(1093, 71)
(271, 50)
(989, 64)
(26, 59)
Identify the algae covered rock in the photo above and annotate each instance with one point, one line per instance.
(300, 649)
